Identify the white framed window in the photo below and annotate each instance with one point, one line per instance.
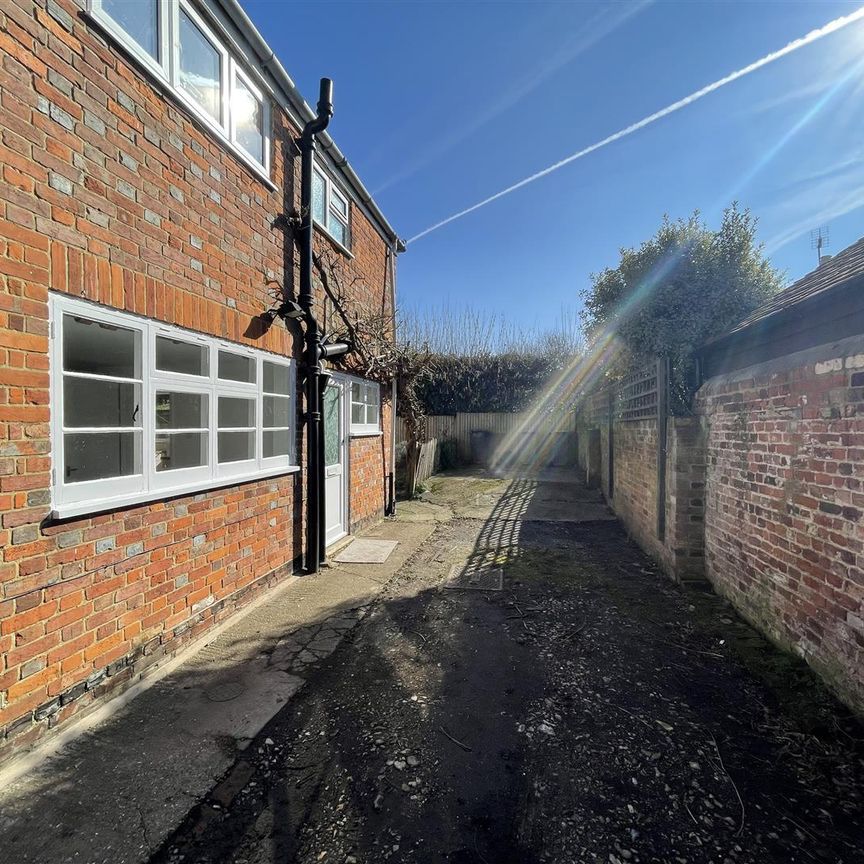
(330, 208)
(201, 66)
(141, 409)
(365, 407)
(175, 43)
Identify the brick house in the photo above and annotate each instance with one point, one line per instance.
(151, 412)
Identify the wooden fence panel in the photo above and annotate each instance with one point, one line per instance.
(458, 428)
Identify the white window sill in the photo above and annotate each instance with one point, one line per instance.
(85, 508)
(361, 434)
(343, 249)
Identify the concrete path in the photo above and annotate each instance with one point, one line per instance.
(114, 792)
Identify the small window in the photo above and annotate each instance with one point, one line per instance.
(101, 400)
(277, 410)
(182, 421)
(365, 407)
(200, 67)
(236, 425)
(319, 199)
(338, 221)
(330, 208)
(184, 358)
(139, 20)
(236, 367)
(247, 116)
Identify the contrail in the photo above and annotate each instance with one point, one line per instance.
(812, 36)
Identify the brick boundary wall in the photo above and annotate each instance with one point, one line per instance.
(784, 504)
(634, 488)
(111, 192)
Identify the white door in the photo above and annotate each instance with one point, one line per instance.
(335, 462)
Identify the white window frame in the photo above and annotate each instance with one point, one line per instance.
(167, 70)
(93, 496)
(331, 190)
(222, 125)
(237, 72)
(358, 429)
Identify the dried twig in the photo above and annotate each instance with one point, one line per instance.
(729, 776)
(689, 650)
(456, 741)
(690, 812)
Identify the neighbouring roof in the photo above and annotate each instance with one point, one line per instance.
(831, 273)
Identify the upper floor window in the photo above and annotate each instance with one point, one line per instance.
(139, 20)
(141, 409)
(330, 208)
(177, 45)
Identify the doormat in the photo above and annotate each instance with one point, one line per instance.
(466, 577)
(366, 551)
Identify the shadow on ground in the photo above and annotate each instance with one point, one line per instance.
(589, 711)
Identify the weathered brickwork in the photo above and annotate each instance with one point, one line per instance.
(784, 504)
(634, 487)
(685, 499)
(110, 192)
(635, 476)
(368, 483)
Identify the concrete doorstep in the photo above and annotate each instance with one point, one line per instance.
(125, 777)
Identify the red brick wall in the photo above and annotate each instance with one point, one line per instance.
(634, 489)
(112, 193)
(368, 482)
(784, 504)
(635, 476)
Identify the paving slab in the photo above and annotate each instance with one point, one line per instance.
(127, 776)
(366, 550)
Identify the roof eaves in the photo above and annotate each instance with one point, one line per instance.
(833, 272)
(271, 63)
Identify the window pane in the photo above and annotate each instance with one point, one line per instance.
(356, 392)
(372, 415)
(98, 455)
(338, 230)
(88, 402)
(236, 367)
(276, 443)
(276, 411)
(174, 355)
(338, 203)
(319, 206)
(182, 450)
(200, 68)
(139, 19)
(332, 422)
(276, 378)
(236, 446)
(356, 412)
(181, 411)
(248, 116)
(99, 348)
(234, 413)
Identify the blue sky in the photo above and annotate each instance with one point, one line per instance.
(441, 104)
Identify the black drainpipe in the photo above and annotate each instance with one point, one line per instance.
(312, 337)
